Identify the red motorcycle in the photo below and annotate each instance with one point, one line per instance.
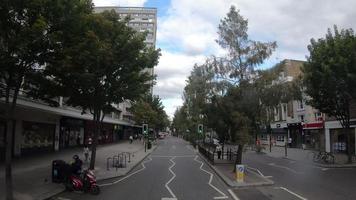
(86, 182)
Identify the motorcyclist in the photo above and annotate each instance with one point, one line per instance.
(76, 166)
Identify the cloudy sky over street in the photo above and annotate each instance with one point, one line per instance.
(187, 30)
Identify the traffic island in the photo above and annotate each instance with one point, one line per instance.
(251, 177)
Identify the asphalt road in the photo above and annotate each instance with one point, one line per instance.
(172, 171)
(297, 180)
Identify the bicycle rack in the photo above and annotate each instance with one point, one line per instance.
(108, 163)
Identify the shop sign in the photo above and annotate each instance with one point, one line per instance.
(314, 125)
(72, 122)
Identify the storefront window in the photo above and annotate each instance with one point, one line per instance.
(37, 136)
(339, 140)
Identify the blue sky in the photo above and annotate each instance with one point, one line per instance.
(187, 31)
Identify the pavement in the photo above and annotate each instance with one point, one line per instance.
(174, 171)
(32, 175)
(306, 156)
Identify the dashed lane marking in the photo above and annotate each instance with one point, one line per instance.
(170, 180)
(223, 195)
(133, 173)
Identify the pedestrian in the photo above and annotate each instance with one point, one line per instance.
(218, 149)
(290, 142)
(131, 139)
(86, 153)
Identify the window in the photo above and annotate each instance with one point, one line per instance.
(301, 118)
(263, 137)
(300, 105)
(280, 138)
(318, 116)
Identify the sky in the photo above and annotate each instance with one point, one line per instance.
(187, 30)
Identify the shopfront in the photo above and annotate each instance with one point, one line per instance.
(37, 137)
(71, 132)
(313, 136)
(279, 136)
(338, 140)
(104, 137)
(295, 134)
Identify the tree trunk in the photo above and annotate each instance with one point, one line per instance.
(349, 150)
(238, 160)
(10, 125)
(96, 119)
(8, 158)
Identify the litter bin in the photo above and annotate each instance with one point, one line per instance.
(58, 173)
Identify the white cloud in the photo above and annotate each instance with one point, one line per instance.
(138, 3)
(172, 71)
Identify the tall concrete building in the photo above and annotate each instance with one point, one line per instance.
(142, 19)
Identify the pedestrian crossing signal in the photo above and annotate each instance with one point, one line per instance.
(145, 129)
(200, 128)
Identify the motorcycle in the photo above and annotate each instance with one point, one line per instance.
(86, 182)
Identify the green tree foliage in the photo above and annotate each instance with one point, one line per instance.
(27, 30)
(149, 110)
(330, 76)
(99, 69)
(243, 53)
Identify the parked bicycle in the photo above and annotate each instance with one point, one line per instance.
(325, 157)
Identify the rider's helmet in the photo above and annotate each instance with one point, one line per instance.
(75, 157)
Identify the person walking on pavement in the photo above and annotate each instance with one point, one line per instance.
(131, 139)
(86, 153)
(218, 149)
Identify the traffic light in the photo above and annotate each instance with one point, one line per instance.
(145, 129)
(200, 128)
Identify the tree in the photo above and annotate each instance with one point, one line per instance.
(26, 33)
(151, 111)
(99, 68)
(242, 98)
(243, 54)
(330, 76)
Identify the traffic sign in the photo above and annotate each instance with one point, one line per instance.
(240, 173)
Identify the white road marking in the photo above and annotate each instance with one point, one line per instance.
(133, 173)
(223, 195)
(293, 193)
(233, 194)
(259, 172)
(170, 180)
(286, 168)
(163, 156)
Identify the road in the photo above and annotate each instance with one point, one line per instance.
(300, 180)
(172, 172)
